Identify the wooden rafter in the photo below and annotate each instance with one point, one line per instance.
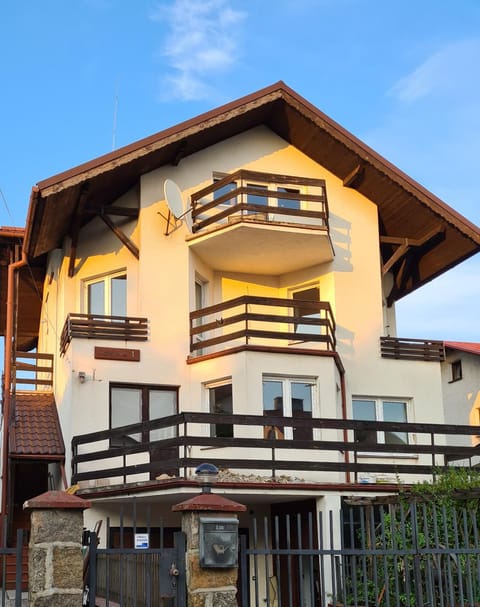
(406, 244)
(131, 246)
(354, 177)
(75, 228)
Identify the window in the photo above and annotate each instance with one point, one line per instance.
(223, 191)
(221, 402)
(307, 312)
(132, 404)
(380, 410)
(456, 367)
(107, 295)
(285, 397)
(288, 203)
(257, 199)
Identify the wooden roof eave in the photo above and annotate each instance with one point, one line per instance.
(291, 117)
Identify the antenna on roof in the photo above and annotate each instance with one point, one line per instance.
(176, 207)
(115, 112)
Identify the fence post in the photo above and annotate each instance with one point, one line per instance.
(55, 563)
(212, 585)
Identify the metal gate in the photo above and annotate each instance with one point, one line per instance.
(138, 576)
(417, 555)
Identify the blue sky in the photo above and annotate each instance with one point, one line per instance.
(81, 77)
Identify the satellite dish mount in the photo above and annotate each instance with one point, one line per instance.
(176, 211)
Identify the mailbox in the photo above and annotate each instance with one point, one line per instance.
(218, 542)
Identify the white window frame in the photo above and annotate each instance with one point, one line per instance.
(287, 381)
(107, 280)
(225, 381)
(379, 401)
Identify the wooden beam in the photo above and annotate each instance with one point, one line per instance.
(354, 177)
(75, 228)
(113, 210)
(132, 247)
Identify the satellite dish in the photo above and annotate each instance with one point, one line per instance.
(173, 196)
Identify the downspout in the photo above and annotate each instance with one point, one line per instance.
(343, 392)
(7, 401)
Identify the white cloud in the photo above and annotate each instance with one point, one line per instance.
(203, 41)
(449, 71)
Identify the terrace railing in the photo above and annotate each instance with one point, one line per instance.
(412, 349)
(332, 448)
(32, 371)
(96, 326)
(254, 196)
(249, 321)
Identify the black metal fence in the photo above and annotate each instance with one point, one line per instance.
(418, 555)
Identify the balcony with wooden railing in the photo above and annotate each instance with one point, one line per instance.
(263, 223)
(401, 348)
(318, 449)
(100, 327)
(262, 323)
(32, 371)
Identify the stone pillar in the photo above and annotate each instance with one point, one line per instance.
(207, 587)
(55, 562)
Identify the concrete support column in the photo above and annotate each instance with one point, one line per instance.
(213, 586)
(55, 561)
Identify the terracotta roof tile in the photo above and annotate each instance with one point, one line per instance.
(36, 430)
(465, 346)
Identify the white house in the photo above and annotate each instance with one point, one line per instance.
(227, 287)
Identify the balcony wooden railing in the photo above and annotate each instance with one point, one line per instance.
(32, 371)
(254, 196)
(412, 349)
(96, 326)
(249, 321)
(332, 448)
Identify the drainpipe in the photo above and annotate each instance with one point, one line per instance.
(343, 392)
(7, 401)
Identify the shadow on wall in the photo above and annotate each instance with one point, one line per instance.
(341, 239)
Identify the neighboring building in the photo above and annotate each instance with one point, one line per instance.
(265, 287)
(461, 385)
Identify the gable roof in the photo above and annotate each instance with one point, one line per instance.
(464, 346)
(407, 211)
(35, 433)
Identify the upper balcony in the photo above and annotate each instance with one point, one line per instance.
(261, 223)
(252, 322)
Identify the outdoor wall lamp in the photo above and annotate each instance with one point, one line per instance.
(82, 377)
(207, 475)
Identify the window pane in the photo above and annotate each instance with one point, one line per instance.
(395, 412)
(302, 408)
(273, 405)
(96, 297)
(119, 296)
(221, 402)
(257, 198)
(365, 410)
(228, 187)
(126, 406)
(162, 403)
(301, 398)
(272, 397)
(288, 203)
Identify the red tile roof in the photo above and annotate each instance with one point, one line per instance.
(464, 346)
(36, 433)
